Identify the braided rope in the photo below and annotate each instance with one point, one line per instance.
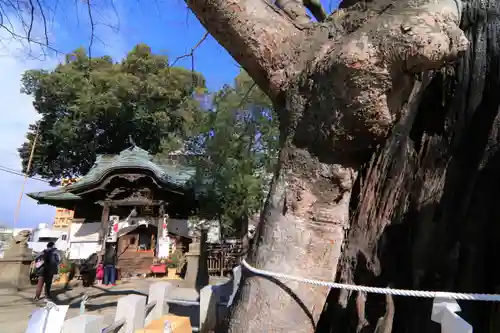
(49, 305)
(83, 303)
(375, 290)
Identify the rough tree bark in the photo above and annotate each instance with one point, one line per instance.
(339, 87)
(427, 216)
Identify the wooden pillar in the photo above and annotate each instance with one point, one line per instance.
(153, 244)
(104, 224)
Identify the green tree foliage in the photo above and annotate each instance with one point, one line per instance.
(240, 150)
(92, 106)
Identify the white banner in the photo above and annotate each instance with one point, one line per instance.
(112, 235)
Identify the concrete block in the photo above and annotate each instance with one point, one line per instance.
(224, 291)
(444, 313)
(15, 273)
(132, 308)
(158, 292)
(47, 319)
(208, 309)
(83, 324)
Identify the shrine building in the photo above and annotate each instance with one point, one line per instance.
(141, 203)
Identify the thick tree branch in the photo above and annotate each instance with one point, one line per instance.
(257, 34)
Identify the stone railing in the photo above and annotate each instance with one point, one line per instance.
(134, 312)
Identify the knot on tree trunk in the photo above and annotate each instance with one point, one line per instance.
(316, 191)
(354, 86)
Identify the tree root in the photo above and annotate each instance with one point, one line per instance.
(360, 309)
(384, 324)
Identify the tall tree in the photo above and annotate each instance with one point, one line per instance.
(93, 106)
(239, 151)
(372, 74)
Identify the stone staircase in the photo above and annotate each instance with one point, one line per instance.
(131, 263)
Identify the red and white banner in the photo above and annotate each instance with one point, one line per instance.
(113, 227)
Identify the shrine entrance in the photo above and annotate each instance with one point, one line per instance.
(144, 239)
(137, 212)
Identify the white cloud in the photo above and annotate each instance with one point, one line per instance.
(17, 114)
(110, 38)
(16, 56)
(103, 35)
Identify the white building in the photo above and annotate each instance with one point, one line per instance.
(5, 237)
(43, 234)
(39, 238)
(83, 238)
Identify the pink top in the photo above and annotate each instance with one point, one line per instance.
(99, 272)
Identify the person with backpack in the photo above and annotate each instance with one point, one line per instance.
(109, 263)
(46, 265)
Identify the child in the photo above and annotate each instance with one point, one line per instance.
(99, 275)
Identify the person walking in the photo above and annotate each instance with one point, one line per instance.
(46, 265)
(109, 263)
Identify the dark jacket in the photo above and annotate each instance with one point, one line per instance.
(50, 262)
(110, 257)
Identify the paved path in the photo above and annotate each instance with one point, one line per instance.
(15, 309)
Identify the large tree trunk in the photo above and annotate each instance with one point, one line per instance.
(340, 86)
(443, 232)
(301, 234)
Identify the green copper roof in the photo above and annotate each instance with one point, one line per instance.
(170, 174)
(135, 158)
(59, 198)
(59, 194)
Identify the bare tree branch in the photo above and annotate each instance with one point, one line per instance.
(115, 11)
(194, 82)
(191, 53)
(32, 18)
(92, 28)
(17, 15)
(31, 41)
(258, 36)
(56, 4)
(25, 14)
(42, 13)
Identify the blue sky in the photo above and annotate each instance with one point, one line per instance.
(166, 25)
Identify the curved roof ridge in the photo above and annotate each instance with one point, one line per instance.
(131, 158)
(174, 175)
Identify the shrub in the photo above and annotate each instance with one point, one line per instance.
(63, 268)
(174, 260)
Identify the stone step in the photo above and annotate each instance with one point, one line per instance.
(133, 254)
(135, 265)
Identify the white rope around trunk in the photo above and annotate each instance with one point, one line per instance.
(375, 290)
